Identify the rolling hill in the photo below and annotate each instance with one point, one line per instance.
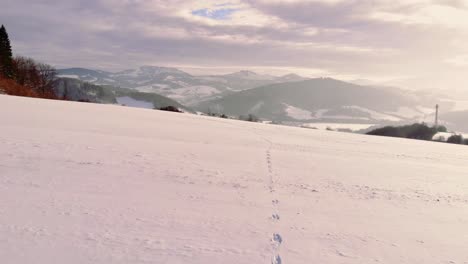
(138, 186)
(76, 90)
(321, 99)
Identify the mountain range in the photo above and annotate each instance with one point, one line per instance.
(288, 99)
(77, 90)
(176, 84)
(322, 99)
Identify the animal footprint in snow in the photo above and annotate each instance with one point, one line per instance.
(277, 238)
(275, 217)
(276, 260)
(275, 202)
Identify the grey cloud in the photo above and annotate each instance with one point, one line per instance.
(114, 35)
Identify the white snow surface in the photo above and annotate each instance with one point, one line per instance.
(320, 113)
(336, 126)
(128, 101)
(297, 113)
(159, 87)
(71, 76)
(186, 95)
(197, 90)
(84, 183)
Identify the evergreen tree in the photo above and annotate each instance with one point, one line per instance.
(6, 55)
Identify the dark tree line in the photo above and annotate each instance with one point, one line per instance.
(24, 76)
(417, 131)
(414, 131)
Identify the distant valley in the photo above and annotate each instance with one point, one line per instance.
(77, 90)
(176, 84)
(289, 99)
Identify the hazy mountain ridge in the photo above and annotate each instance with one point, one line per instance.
(456, 120)
(176, 84)
(289, 98)
(315, 100)
(77, 90)
(322, 99)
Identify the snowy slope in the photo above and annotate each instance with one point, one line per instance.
(321, 100)
(85, 183)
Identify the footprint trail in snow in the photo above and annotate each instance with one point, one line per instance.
(276, 239)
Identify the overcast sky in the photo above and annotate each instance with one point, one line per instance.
(416, 43)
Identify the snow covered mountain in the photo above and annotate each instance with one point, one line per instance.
(77, 90)
(289, 98)
(137, 186)
(176, 84)
(322, 99)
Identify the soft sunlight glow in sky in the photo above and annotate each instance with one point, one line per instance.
(419, 44)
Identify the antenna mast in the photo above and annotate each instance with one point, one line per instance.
(437, 116)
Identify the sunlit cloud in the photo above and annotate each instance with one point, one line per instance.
(432, 14)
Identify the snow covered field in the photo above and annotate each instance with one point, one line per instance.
(85, 183)
(128, 101)
(336, 126)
